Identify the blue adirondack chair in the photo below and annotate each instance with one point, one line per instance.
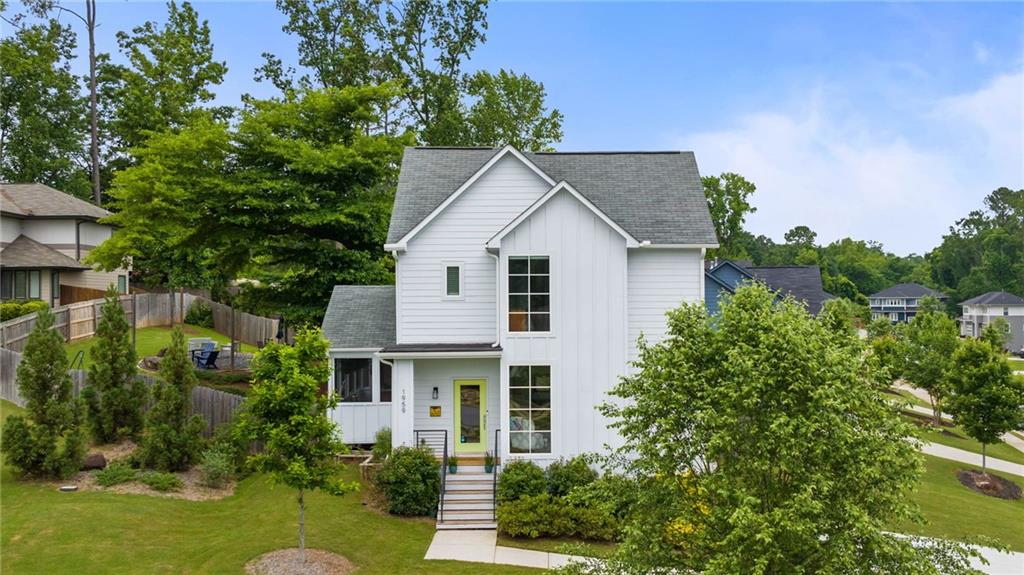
(201, 356)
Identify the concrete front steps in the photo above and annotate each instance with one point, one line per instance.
(468, 501)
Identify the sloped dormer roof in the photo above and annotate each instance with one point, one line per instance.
(42, 201)
(654, 196)
(24, 252)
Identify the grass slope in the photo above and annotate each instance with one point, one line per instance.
(150, 340)
(45, 531)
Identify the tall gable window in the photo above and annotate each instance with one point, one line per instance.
(529, 294)
(353, 380)
(452, 288)
(529, 402)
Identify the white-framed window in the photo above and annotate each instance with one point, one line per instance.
(529, 293)
(353, 379)
(1006, 311)
(894, 316)
(451, 280)
(529, 408)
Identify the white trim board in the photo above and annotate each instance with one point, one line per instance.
(495, 241)
(401, 244)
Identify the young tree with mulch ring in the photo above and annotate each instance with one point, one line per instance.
(987, 399)
(927, 356)
(114, 395)
(760, 444)
(47, 443)
(172, 439)
(286, 412)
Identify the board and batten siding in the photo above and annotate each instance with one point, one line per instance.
(587, 345)
(660, 280)
(457, 236)
(442, 373)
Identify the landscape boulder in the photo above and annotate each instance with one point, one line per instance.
(94, 461)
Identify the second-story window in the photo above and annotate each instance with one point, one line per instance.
(452, 288)
(529, 293)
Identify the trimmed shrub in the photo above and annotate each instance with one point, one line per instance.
(565, 475)
(520, 478)
(382, 445)
(542, 515)
(217, 467)
(161, 481)
(614, 494)
(47, 441)
(13, 309)
(199, 314)
(410, 481)
(115, 473)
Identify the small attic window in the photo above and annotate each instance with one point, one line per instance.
(452, 288)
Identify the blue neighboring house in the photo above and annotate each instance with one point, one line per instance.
(801, 282)
(899, 302)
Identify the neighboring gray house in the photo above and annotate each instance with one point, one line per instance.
(981, 310)
(44, 236)
(523, 281)
(899, 303)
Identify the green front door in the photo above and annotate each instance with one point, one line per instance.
(470, 408)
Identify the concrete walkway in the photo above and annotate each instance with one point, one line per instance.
(481, 546)
(1011, 439)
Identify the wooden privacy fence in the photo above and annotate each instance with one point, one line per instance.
(216, 407)
(78, 320)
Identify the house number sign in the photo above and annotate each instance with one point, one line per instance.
(403, 401)
(435, 411)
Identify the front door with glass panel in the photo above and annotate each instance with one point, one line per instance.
(470, 408)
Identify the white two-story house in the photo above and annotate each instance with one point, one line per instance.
(523, 281)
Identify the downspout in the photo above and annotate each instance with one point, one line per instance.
(78, 240)
(497, 299)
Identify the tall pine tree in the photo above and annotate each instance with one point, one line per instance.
(115, 397)
(172, 438)
(48, 442)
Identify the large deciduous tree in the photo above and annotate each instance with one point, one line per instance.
(42, 113)
(510, 109)
(728, 200)
(114, 396)
(986, 399)
(751, 436)
(287, 412)
(929, 341)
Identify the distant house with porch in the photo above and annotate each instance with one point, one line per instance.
(980, 311)
(802, 282)
(44, 236)
(899, 303)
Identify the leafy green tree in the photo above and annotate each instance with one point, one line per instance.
(114, 396)
(166, 84)
(173, 439)
(840, 317)
(288, 413)
(930, 340)
(510, 109)
(733, 428)
(987, 399)
(929, 304)
(42, 113)
(997, 334)
(48, 442)
(727, 196)
(801, 236)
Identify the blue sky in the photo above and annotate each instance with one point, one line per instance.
(876, 121)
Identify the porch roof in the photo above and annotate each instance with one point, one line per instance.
(484, 349)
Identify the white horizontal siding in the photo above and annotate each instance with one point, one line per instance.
(458, 235)
(660, 280)
(586, 348)
(10, 229)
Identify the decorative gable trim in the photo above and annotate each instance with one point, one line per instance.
(401, 244)
(724, 263)
(495, 241)
(721, 283)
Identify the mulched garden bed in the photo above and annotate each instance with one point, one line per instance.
(286, 562)
(988, 484)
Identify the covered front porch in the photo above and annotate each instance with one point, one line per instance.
(446, 396)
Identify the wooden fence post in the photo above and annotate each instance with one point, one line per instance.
(232, 331)
(134, 322)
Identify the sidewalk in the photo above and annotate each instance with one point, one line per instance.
(1013, 440)
(481, 546)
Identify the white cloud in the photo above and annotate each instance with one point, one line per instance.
(981, 53)
(837, 172)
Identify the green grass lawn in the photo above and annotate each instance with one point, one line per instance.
(953, 511)
(1016, 363)
(961, 440)
(44, 531)
(150, 340)
(555, 545)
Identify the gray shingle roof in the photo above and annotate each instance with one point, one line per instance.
(656, 196)
(360, 317)
(995, 298)
(909, 290)
(40, 200)
(24, 252)
(802, 282)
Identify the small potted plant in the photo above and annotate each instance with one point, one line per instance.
(488, 462)
(453, 464)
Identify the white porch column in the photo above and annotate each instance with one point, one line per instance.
(402, 402)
